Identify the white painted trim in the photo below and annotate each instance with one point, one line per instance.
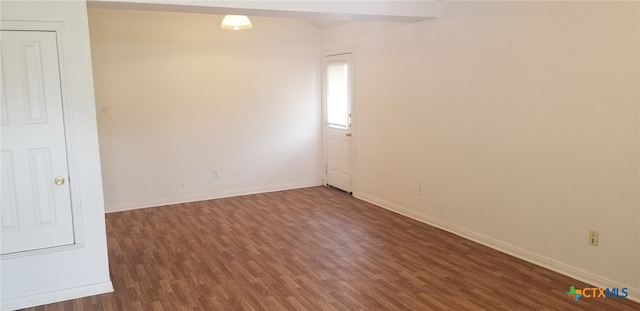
(353, 119)
(210, 196)
(67, 111)
(40, 251)
(542, 261)
(56, 296)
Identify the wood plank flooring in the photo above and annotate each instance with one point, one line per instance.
(312, 249)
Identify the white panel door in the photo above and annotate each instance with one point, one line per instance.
(338, 112)
(34, 199)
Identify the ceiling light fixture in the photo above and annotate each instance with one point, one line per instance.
(236, 22)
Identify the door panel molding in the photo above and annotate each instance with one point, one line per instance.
(33, 83)
(8, 205)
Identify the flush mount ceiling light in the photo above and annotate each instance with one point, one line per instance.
(236, 22)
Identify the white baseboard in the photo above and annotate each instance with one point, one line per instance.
(545, 262)
(209, 196)
(56, 296)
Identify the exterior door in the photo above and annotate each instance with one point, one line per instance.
(35, 197)
(338, 113)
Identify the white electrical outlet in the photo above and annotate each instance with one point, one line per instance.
(593, 237)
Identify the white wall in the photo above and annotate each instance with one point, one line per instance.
(521, 120)
(80, 270)
(178, 98)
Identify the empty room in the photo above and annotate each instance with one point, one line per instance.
(320, 155)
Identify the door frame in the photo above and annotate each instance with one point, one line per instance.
(69, 131)
(353, 121)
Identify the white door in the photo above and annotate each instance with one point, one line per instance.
(34, 199)
(338, 113)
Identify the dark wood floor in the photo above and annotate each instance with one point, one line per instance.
(312, 249)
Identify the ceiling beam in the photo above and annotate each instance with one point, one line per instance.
(396, 10)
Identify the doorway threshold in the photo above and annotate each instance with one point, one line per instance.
(338, 189)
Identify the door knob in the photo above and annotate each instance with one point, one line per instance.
(59, 180)
(348, 134)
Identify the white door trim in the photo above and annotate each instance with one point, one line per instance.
(353, 118)
(69, 129)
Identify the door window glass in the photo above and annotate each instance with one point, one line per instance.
(337, 95)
